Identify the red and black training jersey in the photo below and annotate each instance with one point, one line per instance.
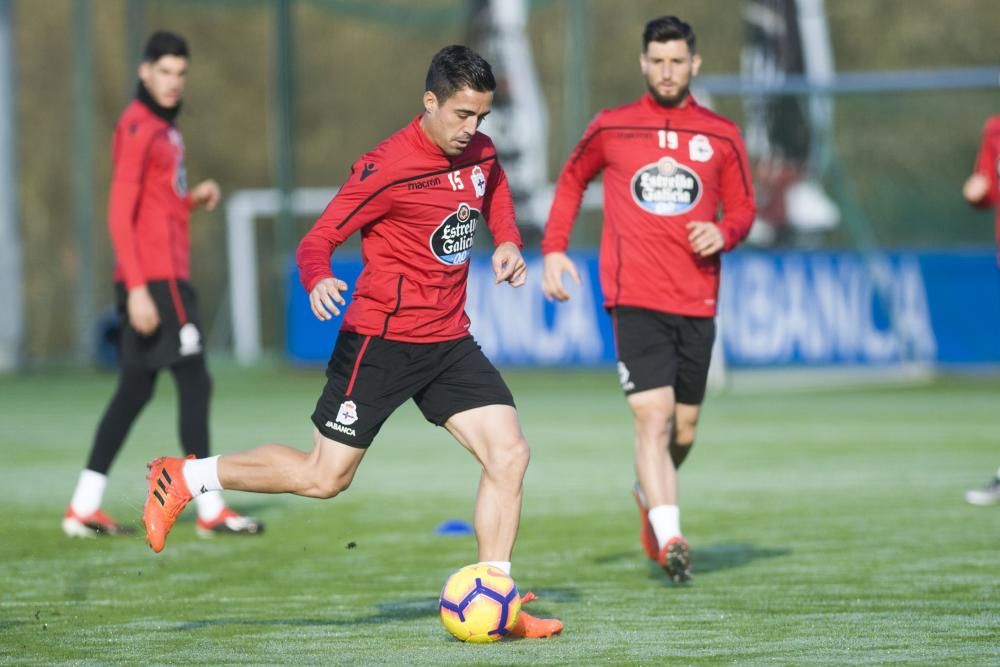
(149, 207)
(663, 167)
(418, 211)
(988, 164)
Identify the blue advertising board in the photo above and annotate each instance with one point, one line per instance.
(792, 308)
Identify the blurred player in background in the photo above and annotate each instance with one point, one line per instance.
(982, 189)
(669, 166)
(148, 215)
(417, 199)
(788, 137)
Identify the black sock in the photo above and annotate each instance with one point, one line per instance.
(679, 452)
(194, 389)
(135, 388)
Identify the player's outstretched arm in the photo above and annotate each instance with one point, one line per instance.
(325, 296)
(207, 194)
(509, 265)
(554, 265)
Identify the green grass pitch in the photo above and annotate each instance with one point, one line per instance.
(827, 527)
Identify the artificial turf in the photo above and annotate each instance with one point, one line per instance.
(827, 527)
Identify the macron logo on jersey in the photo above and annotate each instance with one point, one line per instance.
(369, 169)
(426, 183)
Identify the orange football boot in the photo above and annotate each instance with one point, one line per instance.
(168, 495)
(646, 535)
(531, 627)
(675, 559)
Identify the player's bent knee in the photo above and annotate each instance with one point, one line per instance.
(509, 458)
(136, 394)
(686, 429)
(685, 436)
(521, 453)
(140, 398)
(653, 430)
(327, 491)
(331, 487)
(654, 421)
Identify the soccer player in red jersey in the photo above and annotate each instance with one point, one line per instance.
(417, 199)
(670, 165)
(149, 211)
(982, 189)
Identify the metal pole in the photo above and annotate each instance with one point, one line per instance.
(285, 149)
(817, 52)
(11, 298)
(135, 36)
(577, 72)
(83, 187)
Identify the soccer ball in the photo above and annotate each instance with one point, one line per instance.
(479, 604)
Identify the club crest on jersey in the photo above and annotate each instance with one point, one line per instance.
(624, 376)
(451, 242)
(180, 171)
(478, 181)
(348, 413)
(700, 148)
(190, 339)
(666, 187)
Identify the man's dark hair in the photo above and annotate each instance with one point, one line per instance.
(163, 43)
(668, 29)
(456, 67)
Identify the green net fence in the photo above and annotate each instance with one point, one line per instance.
(266, 106)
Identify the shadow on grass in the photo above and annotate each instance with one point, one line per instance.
(399, 610)
(727, 556)
(711, 558)
(717, 557)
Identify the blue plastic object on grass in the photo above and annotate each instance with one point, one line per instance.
(454, 527)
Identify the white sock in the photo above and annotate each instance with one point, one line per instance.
(89, 492)
(209, 505)
(666, 520)
(202, 475)
(499, 564)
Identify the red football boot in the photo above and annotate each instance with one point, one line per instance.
(675, 559)
(93, 524)
(531, 627)
(167, 497)
(229, 521)
(646, 535)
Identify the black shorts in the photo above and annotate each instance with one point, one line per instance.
(369, 377)
(663, 350)
(178, 337)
